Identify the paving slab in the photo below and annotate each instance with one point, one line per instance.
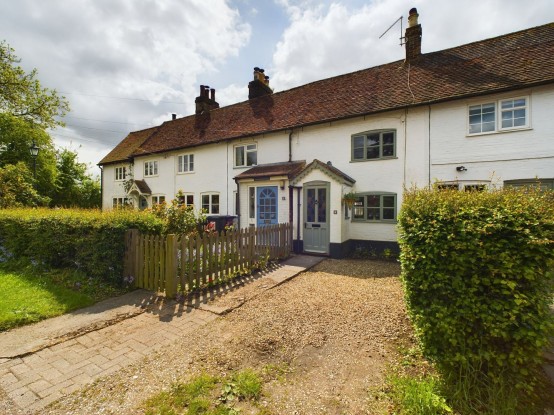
(45, 361)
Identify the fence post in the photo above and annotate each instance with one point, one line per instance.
(171, 266)
(131, 253)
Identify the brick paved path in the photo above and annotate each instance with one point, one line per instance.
(38, 379)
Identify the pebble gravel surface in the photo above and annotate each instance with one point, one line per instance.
(332, 330)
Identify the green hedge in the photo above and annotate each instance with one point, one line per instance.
(478, 275)
(89, 240)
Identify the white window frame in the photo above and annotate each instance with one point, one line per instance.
(363, 196)
(119, 202)
(209, 207)
(120, 173)
(187, 199)
(185, 163)
(150, 168)
(157, 199)
(246, 149)
(498, 114)
(467, 186)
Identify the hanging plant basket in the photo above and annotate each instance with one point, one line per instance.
(349, 198)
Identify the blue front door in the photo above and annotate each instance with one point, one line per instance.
(267, 205)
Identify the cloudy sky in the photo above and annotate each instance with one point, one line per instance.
(126, 65)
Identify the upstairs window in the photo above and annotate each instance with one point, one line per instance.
(374, 145)
(246, 155)
(210, 203)
(150, 168)
(375, 207)
(513, 114)
(120, 174)
(185, 163)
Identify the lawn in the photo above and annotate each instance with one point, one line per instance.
(31, 295)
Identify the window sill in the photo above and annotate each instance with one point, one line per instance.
(511, 130)
(155, 175)
(244, 167)
(379, 159)
(186, 172)
(388, 221)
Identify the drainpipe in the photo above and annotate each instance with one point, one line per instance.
(290, 145)
(298, 205)
(101, 187)
(238, 203)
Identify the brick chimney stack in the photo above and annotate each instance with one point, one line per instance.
(413, 36)
(205, 103)
(260, 85)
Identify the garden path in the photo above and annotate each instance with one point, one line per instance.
(46, 361)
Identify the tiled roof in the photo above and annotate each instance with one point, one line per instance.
(513, 61)
(143, 187)
(289, 168)
(126, 147)
(327, 168)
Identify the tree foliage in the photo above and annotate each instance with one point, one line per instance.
(16, 187)
(22, 95)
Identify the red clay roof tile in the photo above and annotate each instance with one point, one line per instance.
(512, 61)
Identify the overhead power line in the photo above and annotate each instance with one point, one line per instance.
(122, 98)
(112, 122)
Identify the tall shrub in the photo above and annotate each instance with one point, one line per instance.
(478, 275)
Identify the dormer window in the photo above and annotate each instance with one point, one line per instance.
(246, 155)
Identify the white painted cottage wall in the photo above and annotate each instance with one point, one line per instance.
(110, 187)
(517, 154)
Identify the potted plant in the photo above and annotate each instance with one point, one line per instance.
(349, 198)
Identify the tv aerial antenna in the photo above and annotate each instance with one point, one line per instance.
(402, 38)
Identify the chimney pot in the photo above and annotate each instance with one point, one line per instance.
(212, 91)
(173, 116)
(413, 36)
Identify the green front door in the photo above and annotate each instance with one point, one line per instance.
(316, 218)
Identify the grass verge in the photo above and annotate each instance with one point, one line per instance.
(31, 295)
(210, 395)
(413, 386)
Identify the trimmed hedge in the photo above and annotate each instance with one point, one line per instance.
(89, 240)
(477, 268)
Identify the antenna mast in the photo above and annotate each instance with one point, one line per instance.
(402, 38)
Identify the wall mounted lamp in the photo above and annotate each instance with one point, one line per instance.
(461, 168)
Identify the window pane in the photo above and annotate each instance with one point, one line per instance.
(206, 202)
(358, 210)
(358, 153)
(358, 147)
(372, 153)
(388, 213)
(388, 150)
(190, 200)
(191, 162)
(373, 214)
(488, 117)
(373, 201)
(373, 140)
(487, 108)
(507, 104)
(488, 126)
(251, 147)
(474, 129)
(520, 102)
(388, 201)
(251, 202)
(475, 110)
(239, 156)
(252, 158)
(388, 138)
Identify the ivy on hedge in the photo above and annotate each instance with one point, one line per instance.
(477, 268)
(89, 240)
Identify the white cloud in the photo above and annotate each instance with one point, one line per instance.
(326, 40)
(149, 50)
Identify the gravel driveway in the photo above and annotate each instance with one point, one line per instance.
(333, 328)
